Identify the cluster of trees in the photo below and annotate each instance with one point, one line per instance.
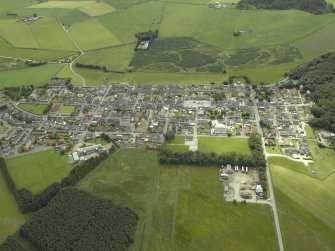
(232, 78)
(105, 137)
(47, 109)
(256, 159)
(312, 6)
(17, 93)
(34, 62)
(11, 245)
(28, 202)
(76, 220)
(169, 136)
(146, 36)
(317, 79)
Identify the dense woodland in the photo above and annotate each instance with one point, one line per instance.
(76, 220)
(11, 245)
(317, 79)
(312, 6)
(28, 202)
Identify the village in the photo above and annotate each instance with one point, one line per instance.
(139, 116)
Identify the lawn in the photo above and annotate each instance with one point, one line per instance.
(223, 144)
(46, 33)
(10, 217)
(91, 34)
(33, 108)
(306, 207)
(66, 109)
(36, 76)
(178, 140)
(178, 148)
(180, 208)
(38, 170)
(97, 140)
(309, 132)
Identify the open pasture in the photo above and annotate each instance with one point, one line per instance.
(306, 208)
(29, 76)
(45, 33)
(115, 58)
(38, 170)
(180, 208)
(223, 144)
(91, 34)
(67, 73)
(323, 158)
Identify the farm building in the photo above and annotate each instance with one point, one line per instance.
(259, 189)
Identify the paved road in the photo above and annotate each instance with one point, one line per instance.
(79, 49)
(272, 201)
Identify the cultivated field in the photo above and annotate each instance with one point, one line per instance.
(223, 144)
(180, 208)
(38, 170)
(306, 207)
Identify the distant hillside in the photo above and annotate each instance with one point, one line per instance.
(312, 6)
(318, 80)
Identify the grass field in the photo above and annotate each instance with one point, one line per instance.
(91, 34)
(98, 140)
(33, 108)
(67, 73)
(178, 148)
(178, 140)
(323, 158)
(180, 208)
(309, 132)
(45, 33)
(38, 170)
(29, 76)
(306, 207)
(116, 58)
(223, 144)
(10, 217)
(66, 109)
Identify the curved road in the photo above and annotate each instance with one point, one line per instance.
(83, 80)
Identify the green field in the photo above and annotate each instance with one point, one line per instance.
(180, 208)
(309, 132)
(91, 34)
(33, 108)
(66, 109)
(115, 58)
(323, 158)
(305, 206)
(36, 76)
(38, 170)
(223, 144)
(10, 217)
(97, 140)
(67, 73)
(46, 33)
(177, 148)
(178, 140)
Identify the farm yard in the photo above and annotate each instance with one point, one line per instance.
(305, 206)
(187, 53)
(180, 208)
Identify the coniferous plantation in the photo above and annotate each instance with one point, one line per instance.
(76, 220)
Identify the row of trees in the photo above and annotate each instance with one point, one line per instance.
(256, 159)
(28, 202)
(317, 79)
(312, 6)
(77, 220)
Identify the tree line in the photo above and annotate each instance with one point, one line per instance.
(312, 6)
(29, 202)
(77, 220)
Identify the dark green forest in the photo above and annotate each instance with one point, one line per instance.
(317, 79)
(77, 220)
(11, 245)
(312, 6)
